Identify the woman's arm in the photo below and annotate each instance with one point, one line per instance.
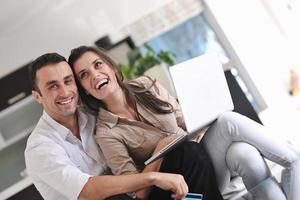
(120, 162)
(160, 92)
(115, 153)
(163, 94)
(154, 166)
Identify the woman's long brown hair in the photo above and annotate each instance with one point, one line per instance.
(134, 92)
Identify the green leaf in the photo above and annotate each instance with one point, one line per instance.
(138, 63)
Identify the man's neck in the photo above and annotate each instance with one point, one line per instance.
(71, 123)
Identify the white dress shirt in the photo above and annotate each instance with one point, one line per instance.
(58, 162)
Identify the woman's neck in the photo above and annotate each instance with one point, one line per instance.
(118, 105)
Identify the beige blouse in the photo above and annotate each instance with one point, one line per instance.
(126, 144)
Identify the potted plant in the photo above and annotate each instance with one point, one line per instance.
(139, 62)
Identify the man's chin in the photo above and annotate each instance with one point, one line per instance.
(68, 112)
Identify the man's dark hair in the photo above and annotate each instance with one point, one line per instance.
(42, 61)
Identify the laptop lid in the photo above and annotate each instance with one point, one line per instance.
(202, 92)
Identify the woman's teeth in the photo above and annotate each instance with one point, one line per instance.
(101, 83)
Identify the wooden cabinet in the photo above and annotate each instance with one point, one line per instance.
(14, 87)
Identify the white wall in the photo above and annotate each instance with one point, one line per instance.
(30, 28)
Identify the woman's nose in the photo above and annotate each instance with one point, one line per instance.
(94, 73)
(95, 76)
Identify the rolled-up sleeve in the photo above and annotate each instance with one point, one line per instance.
(50, 163)
(115, 153)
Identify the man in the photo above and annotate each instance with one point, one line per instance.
(62, 157)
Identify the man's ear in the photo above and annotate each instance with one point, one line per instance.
(36, 95)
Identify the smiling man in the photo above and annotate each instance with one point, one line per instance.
(61, 155)
(56, 91)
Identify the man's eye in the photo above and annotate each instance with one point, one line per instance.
(69, 81)
(52, 87)
(98, 64)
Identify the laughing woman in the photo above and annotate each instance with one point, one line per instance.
(139, 117)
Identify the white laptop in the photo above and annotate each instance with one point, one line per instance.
(202, 92)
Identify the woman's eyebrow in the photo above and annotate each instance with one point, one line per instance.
(96, 60)
(86, 68)
(81, 71)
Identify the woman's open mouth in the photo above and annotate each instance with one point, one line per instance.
(101, 83)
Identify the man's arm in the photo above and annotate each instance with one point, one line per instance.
(101, 187)
(64, 177)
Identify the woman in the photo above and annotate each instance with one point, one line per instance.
(140, 113)
(189, 159)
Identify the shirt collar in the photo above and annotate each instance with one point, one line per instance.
(62, 130)
(82, 119)
(107, 117)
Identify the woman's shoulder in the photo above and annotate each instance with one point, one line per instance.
(147, 83)
(104, 131)
(144, 80)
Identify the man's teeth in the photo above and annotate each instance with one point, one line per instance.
(65, 102)
(101, 83)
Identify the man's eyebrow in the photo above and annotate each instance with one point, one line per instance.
(51, 82)
(56, 81)
(68, 77)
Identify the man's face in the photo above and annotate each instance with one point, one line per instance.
(57, 90)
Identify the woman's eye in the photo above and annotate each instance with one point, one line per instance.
(98, 65)
(83, 75)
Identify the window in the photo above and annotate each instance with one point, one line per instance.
(189, 39)
(192, 38)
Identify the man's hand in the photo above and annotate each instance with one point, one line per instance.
(173, 182)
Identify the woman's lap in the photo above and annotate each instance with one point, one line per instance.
(190, 160)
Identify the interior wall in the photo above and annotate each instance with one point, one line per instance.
(30, 28)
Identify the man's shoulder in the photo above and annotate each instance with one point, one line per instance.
(86, 113)
(42, 134)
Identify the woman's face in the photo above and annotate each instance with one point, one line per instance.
(97, 77)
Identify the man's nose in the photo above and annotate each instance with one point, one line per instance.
(64, 91)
